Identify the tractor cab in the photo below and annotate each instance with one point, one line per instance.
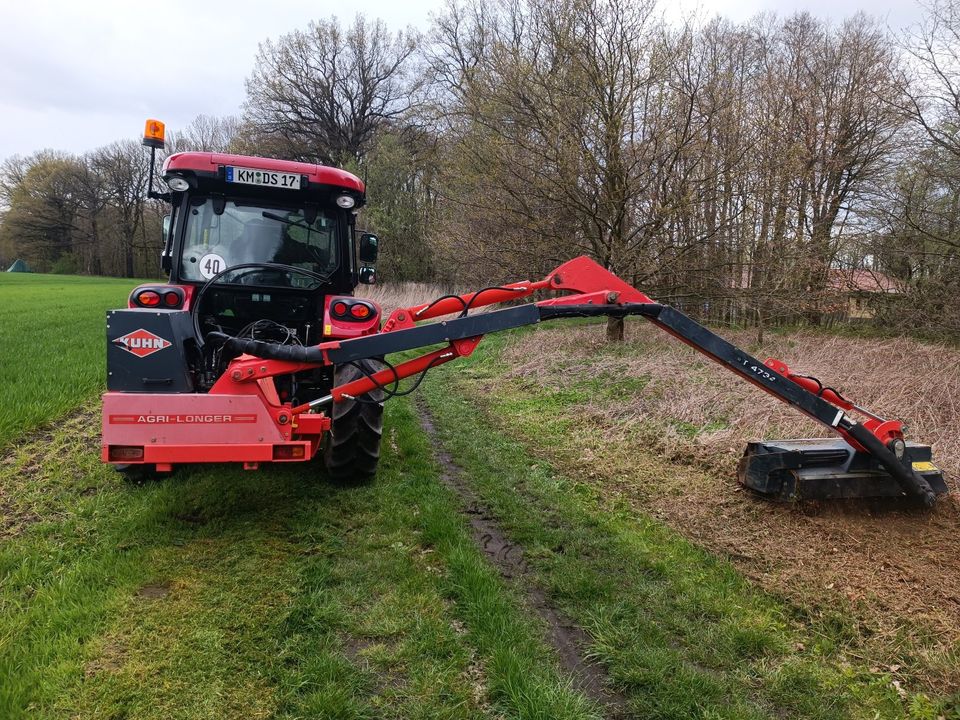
(230, 211)
(259, 248)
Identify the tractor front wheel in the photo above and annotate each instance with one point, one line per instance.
(353, 444)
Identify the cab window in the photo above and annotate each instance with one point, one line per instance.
(223, 234)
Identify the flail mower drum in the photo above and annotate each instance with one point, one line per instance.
(256, 350)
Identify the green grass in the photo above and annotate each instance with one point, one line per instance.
(680, 630)
(221, 593)
(52, 344)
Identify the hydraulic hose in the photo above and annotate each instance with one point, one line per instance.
(463, 327)
(268, 350)
(551, 312)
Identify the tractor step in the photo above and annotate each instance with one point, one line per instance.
(827, 468)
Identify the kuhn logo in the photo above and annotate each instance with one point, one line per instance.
(142, 342)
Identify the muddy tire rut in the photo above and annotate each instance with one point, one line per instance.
(569, 641)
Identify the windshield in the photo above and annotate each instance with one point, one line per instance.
(253, 233)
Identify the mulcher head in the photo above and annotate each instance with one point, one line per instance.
(828, 468)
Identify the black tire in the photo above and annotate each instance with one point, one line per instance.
(352, 448)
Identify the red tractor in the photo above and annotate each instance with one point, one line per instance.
(258, 351)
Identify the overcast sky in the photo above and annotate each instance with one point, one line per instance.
(76, 75)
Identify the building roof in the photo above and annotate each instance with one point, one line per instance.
(842, 280)
(867, 281)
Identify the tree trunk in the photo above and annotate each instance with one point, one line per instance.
(614, 329)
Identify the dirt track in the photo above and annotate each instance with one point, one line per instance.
(568, 640)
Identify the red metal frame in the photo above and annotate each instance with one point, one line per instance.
(190, 428)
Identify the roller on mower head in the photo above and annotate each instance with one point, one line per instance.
(257, 350)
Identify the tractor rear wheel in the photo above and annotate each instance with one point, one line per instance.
(353, 444)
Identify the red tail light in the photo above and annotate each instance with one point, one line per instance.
(126, 453)
(289, 452)
(158, 296)
(148, 298)
(353, 310)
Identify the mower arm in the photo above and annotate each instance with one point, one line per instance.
(596, 293)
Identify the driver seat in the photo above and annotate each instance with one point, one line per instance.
(259, 240)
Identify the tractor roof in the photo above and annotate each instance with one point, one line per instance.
(209, 163)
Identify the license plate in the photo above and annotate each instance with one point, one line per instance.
(252, 176)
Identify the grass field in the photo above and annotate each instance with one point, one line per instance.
(52, 339)
(223, 593)
(887, 569)
(657, 603)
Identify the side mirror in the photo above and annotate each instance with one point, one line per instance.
(369, 247)
(166, 262)
(368, 275)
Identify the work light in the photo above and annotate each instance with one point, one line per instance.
(178, 184)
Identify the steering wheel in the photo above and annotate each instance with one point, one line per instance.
(239, 278)
(252, 268)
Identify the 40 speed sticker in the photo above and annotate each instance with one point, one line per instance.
(211, 264)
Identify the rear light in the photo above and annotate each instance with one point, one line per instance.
(148, 298)
(289, 452)
(352, 310)
(158, 296)
(125, 453)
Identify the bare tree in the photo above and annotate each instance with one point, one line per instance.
(933, 98)
(569, 127)
(206, 133)
(43, 217)
(123, 168)
(322, 94)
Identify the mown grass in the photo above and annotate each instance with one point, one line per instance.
(219, 593)
(879, 569)
(52, 344)
(680, 630)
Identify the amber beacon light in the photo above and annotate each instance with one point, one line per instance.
(153, 134)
